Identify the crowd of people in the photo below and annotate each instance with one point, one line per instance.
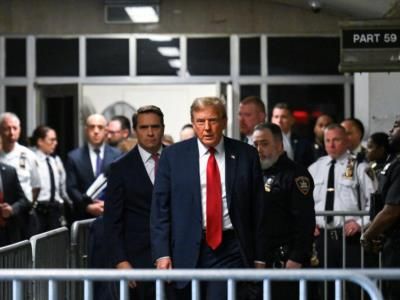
(210, 201)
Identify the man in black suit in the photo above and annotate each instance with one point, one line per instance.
(129, 192)
(297, 148)
(13, 205)
(85, 164)
(207, 209)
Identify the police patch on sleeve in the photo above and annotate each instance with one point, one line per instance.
(303, 184)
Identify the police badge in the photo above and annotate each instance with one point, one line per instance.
(303, 184)
(268, 183)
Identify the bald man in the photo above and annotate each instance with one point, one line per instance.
(85, 164)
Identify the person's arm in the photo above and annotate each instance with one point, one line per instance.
(258, 212)
(160, 222)
(114, 216)
(383, 220)
(302, 210)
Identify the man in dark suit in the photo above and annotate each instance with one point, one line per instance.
(13, 206)
(207, 209)
(85, 164)
(297, 148)
(129, 192)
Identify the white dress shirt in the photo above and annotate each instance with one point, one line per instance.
(44, 173)
(204, 154)
(346, 192)
(26, 165)
(149, 162)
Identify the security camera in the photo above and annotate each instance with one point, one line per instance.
(315, 6)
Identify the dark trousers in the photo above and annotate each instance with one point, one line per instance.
(226, 256)
(391, 259)
(49, 216)
(335, 260)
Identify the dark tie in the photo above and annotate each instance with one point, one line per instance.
(99, 162)
(156, 158)
(52, 181)
(214, 203)
(330, 191)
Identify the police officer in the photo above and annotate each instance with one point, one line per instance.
(387, 221)
(289, 208)
(341, 184)
(50, 203)
(22, 159)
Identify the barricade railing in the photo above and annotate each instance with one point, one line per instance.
(231, 276)
(18, 255)
(80, 231)
(50, 250)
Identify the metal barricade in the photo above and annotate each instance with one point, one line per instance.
(50, 250)
(232, 276)
(15, 256)
(79, 252)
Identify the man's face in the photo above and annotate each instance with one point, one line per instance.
(320, 125)
(49, 143)
(269, 149)
(283, 118)
(394, 136)
(374, 152)
(249, 116)
(208, 124)
(353, 134)
(335, 142)
(149, 131)
(10, 130)
(114, 133)
(96, 130)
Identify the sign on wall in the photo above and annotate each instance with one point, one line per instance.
(370, 46)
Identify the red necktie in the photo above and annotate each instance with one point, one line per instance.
(214, 203)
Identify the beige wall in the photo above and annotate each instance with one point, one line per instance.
(177, 16)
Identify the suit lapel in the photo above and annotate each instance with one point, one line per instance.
(230, 168)
(192, 165)
(86, 163)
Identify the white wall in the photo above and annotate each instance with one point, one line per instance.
(377, 100)
(174, 100)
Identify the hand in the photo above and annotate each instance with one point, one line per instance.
(96, 208)
(164, 263)
(259, 265)
(6, 210)
(290, 264)
(317, 232)
(351, 228)
(373, 246)
(125, 265)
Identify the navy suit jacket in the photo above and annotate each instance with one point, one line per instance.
(80, 175)
(176, 214)
(302, 150)
(127, 211)
(14, 196)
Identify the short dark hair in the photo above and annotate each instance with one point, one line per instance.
(357, 123)
(254, 100)
(381, 139)
(335, 126)
(283, 105)
(40, 132)
(147, 110)
(188, 125)
(273, 128)
(124, 121)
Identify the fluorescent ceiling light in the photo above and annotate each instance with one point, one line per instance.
(142, 14)
(169, 51)
(159, 38)
(175, 63)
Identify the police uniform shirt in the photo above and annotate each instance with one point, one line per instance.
(25, 162)
(346, 191)
(45, 191)
(289, 208)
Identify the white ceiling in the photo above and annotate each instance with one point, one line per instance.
(357, 9)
